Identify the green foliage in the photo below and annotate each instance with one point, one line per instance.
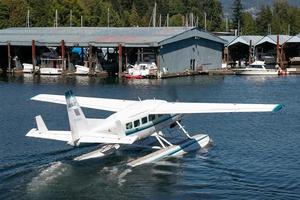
(237, 14)
(176, 20)
(263, 19)
(249, 27)
(280, 18)
(4, 15)
(138, 13)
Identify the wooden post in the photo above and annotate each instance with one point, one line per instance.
(126, 57)
(33, 55)
(62, 44)
(158, 64)
(120, 61)
(82, 55)
(283, 58)
(8, 57)
(278, 51)
(90, 58)
(250, 52)
(138, 55)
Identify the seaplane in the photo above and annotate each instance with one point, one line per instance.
(132, 124)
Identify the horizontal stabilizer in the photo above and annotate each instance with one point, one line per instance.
(50, 135)
(87, 138)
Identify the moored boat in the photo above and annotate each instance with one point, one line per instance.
(257, 68)
(141, 70)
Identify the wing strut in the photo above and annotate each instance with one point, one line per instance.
(183, 130)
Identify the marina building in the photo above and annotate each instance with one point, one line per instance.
(174, 50)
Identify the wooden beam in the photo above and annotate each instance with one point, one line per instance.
(250, 52)
(90, 58)
(8, 57)
(120, 61)
(62, 44)
(33, 55)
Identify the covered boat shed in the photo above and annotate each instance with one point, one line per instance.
(292, 51)
(173, 49)
(240, 49)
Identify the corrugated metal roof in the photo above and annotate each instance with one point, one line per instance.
(96, 36)
(197, 33)
(273, 39)
(245, 39)
(294, 39)
(228, 38)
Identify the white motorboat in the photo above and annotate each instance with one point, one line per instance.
(28, 68)
(141, 70)
(81, 70)
(51, 63)
(50, 71)
(257, 68)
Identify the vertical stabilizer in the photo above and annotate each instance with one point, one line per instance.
(77, 120)
(41, 124)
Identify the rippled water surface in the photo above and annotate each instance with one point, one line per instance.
(253, 155)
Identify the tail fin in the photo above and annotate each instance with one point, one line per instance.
(77, 120)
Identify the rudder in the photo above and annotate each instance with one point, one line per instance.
(77, 119)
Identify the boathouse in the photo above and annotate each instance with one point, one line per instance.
(273, 49)
(173, 49)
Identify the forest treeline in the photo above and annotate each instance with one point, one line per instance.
(280, 18)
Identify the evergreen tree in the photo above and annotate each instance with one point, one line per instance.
(4, 15)
(263, 20)
(237, 14)
(249, 27)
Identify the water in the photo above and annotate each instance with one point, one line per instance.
(253, 156)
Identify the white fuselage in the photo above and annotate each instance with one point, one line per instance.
(135, 120)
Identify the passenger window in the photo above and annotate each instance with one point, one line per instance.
(144, 120)
(129, 125)
(151, 117)
(136, 123)
(159, 115)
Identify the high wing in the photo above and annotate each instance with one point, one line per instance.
(113, 105)
(182, 108)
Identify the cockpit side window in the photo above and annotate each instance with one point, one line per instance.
(136, 123)
(144, 120)
(129, 125)
(152, 117)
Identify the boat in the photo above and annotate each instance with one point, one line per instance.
(81, 70)
(51, 64)
(257, 68)
(28, 68)
(141, 70)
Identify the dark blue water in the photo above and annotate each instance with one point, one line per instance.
(253, 156)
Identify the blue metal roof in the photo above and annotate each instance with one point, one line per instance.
(98, 36)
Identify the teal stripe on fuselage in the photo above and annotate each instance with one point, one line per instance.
(150, 124)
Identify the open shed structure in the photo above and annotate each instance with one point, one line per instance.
(291, 50)
(273, 49)
(173, 49)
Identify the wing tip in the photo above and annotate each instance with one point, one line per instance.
(278, 107)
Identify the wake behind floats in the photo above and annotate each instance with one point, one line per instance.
(133, 124)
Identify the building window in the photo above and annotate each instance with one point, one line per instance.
(192, 64)
(129, 125)
(136, 123)
(144, 120)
